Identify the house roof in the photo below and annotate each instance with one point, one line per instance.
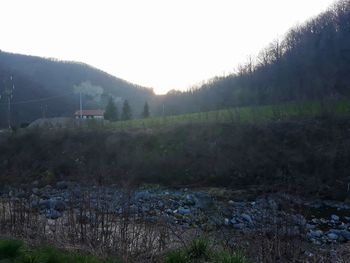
(90, 112)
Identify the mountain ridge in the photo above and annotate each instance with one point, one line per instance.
(36, 78)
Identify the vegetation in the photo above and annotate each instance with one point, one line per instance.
(145, 114)
(126, 114)
(9, 249)
(310, 63)
(199, 251)
(111, 112)
(248, 114)
(38, 78)
(310, 156)
(13, 251)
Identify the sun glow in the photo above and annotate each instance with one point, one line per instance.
(160, 44)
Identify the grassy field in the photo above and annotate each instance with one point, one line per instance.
(243, 114)
(198, 251)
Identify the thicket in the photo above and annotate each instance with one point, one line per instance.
(311, 62)
(310, 156)
(14, 251)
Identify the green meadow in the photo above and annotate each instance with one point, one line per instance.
(244, 114)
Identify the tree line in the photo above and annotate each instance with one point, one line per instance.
(112, 111)
(312, 62)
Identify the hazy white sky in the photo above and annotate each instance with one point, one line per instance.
(163, 44)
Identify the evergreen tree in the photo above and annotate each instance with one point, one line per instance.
(145, 113)
(111, 112)
(126, 114)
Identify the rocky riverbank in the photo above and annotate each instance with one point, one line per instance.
(320, 222)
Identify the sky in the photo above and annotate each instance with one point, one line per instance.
(161, 44)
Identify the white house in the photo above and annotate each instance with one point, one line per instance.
(89, 114)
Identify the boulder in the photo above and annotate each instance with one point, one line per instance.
(335, 218)
(190, 200)
(204, 201)
(53, 214)
(299, 220)
(247, 218)
(226, 221)
(58, 205)
(239, 226)
(44, 204)
(62, 185)
(345, 234)
(183, 211)
(332, 236)
(315, 234)
(144, 195)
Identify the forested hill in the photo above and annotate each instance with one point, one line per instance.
(38, 78)
(312, 62)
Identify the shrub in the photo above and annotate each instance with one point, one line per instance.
(226, 257)
(199, 249)
(9, 249)
(176, 256)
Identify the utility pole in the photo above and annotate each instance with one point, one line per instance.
(81, 107)
(8, 92)
(43, 111)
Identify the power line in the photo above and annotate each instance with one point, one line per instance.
(39, 100)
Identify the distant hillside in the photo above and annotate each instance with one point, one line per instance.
(45, 87)
(312, 62)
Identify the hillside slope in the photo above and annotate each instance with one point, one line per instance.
(312, 62)
(309, 156)
(38, 78)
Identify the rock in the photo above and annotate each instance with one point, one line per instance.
(204, 201)
(343, 226)
(83, 219)
(272, 204)
(323, 221)
(233, 221)
(290, 231)
(315, 234)
(299, 220)
(62, 185)
(35, 183)
(316, 241)
(44, 204)
(34, 204)
(58, 205)
(347, 218)
(310, 226)
(53, 214)
(190, 200)
(151, 219)
(35, 190)
(316, 204)
(145, 209)
(47, 187)
(238, 226)
(247, 218)
(169, 211)
(332, 236)
(160, 204)
(183, 211)
(231, 202)
(21, 194)
(345, 234)
(226, 221)
(76, 192)
(145, 195)
(315, 221)
(335, 217)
